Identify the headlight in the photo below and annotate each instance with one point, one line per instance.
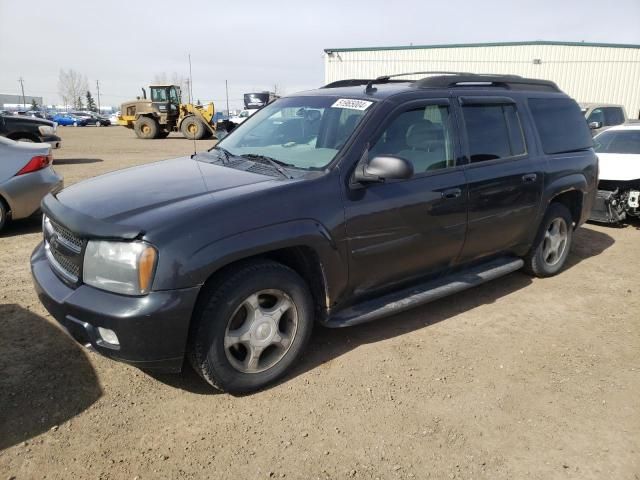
(46, 130)
(120, 267)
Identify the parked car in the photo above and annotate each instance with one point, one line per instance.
(241, 116)
(26, 176)
(618, 198)
(340, 206)
(114, 117)
(93, 118)
(66, 119)
(31, 113)
(28, 129)
(601, 116)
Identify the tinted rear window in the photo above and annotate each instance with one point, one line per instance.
(493, 132)
(561, 125)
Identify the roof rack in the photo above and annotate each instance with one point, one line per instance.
(444, 79)
(384, 78)
(358, 82)
(480, 79)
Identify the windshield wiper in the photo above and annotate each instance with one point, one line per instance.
(277, 164)
(227, 154)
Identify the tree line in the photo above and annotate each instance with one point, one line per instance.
(73, 88)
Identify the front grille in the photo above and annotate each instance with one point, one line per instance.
(63, 249)
(67, 235)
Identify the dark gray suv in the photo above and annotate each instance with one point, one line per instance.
(336, 206)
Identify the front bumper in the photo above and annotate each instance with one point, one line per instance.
(54, 140)
(152, 329)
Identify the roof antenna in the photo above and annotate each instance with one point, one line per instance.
(195, 149)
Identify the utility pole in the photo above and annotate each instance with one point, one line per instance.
(226, 86)
(98, 89)
(24, 101)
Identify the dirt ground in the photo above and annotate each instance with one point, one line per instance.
(519, 378)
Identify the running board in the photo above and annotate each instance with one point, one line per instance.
(408, 298)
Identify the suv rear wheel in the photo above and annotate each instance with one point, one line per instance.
(252, 327)
(549, 254)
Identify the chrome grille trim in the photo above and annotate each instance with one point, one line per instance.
(63, 250)
(70, 277)
(64, 235)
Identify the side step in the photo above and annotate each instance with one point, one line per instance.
(408, 298)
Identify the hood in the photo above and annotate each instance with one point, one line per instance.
(619, 166)
(144, 195)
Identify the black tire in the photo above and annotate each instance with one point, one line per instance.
(146, 128)
(218, 310)
(193, 128)
(4, 214)
(540, 261)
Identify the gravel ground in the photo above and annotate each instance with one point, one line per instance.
(519, 378)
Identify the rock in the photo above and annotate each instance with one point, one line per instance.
(54, 428)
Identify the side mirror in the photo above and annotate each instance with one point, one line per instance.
(595, 125)
(381, 168)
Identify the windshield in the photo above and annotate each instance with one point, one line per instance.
(158, 94)
(618, 141)
(304, 132)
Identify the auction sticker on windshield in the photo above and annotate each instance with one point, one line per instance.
(352, 104)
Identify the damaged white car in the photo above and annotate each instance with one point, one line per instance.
(618, 149)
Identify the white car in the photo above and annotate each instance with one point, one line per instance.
(113, 118)
(618, 150)
(242, 116)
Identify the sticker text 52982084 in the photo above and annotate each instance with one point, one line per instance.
(352, 103)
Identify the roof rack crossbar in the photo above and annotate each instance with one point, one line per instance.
(435, 72)
(446, 81)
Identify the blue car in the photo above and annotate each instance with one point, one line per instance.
(66, 119)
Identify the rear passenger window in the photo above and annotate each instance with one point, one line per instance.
(421, 136)
(493, 132)
(560, 124)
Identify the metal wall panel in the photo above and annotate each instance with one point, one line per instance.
(587, 73)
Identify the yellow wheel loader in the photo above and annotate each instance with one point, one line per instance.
(164, 112)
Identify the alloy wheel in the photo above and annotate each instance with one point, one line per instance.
(261, 331)
(555, 241)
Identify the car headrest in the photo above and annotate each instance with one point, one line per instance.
(425, 135)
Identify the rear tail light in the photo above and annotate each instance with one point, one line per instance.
(36, 163)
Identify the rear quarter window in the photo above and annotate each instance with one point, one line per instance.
(560, 124)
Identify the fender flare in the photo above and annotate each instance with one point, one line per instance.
(210, 258)
(575, 182)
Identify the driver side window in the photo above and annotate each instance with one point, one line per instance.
(422, 136)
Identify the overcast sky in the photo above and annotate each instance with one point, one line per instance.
(256, 44)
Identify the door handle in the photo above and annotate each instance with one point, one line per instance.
(529, 178)
(451, 193)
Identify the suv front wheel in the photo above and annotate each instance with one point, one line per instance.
(549, 254)
(251, 327)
